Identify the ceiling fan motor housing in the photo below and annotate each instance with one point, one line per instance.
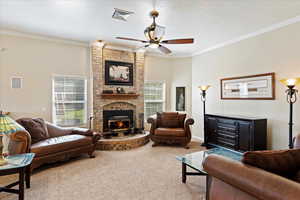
(154, 13)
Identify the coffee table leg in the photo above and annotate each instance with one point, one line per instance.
(183, 172)
(27, 176)
(21, 184)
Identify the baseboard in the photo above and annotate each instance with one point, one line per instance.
(198, 138)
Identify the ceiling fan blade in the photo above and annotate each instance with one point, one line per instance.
(131, 39)
(179, 41)
(164, 49)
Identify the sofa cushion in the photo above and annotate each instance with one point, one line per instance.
(168, 120)
(179, 132)
(59, 144)
(36, 127)
(282, 162)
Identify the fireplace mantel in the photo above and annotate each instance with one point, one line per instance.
(120, 96)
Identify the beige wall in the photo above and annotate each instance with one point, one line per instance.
(175, 72)
(159, 69)
(181, 76)
(36, 61)
(276, 51)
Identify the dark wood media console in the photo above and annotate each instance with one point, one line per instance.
(238, 133)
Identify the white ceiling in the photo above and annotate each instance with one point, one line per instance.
(210, 22)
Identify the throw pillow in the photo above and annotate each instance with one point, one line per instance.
(36, 127)
(282, 162)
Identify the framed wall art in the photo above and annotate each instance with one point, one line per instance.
(255, 87)
(180, 98)
(118, 73)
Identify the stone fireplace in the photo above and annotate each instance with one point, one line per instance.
(113, 110)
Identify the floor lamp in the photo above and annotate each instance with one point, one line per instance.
(291, 93)
(203, 89)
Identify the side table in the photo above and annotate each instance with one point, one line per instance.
(20, 164)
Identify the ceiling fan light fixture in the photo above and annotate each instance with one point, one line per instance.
(154, 32)
(154, 46)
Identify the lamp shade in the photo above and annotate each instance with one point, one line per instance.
(8, 125)
(204, 87)
(290, 81)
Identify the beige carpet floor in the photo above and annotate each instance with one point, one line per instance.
(145, 173)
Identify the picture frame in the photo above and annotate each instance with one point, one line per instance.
(254, 87)
(118, 73)
(180, 99)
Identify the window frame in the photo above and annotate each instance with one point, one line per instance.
(163, 101)
(84, 78)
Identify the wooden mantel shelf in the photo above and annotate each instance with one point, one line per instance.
(120, 96)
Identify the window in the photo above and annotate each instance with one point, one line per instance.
(69, 101)
(154, 94)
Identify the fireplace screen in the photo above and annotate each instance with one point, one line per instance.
(117, 120)
(119, 123)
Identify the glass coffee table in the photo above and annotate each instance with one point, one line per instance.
(195, 160)
(19, 163)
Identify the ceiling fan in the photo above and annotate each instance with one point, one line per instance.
(154, 34)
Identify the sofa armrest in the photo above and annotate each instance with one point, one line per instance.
(153, 121)
(96, 137)
(87, 132)
(254, 181)
(187, 123)
(20, 142)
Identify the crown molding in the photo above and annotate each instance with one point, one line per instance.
(42, 37)
(160, 55)
(250, 35)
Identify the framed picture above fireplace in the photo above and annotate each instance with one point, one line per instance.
(118, 73)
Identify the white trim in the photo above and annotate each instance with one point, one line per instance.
(250, 35)
(170, 56)
(43, 37)
(198, 138)
(85, 96)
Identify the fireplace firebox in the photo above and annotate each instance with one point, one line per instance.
(119, 123)
(116, 122)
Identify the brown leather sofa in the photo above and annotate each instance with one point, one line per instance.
(51, 143)
(170, 128)
(229, 179)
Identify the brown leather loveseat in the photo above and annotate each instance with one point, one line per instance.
(230, 179)
(51, 143)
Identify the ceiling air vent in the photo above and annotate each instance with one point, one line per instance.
(121, 14)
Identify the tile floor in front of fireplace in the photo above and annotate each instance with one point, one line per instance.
(145, 173)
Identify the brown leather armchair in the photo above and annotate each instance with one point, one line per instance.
(170, 128)
(60, 143)
(229, 179)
